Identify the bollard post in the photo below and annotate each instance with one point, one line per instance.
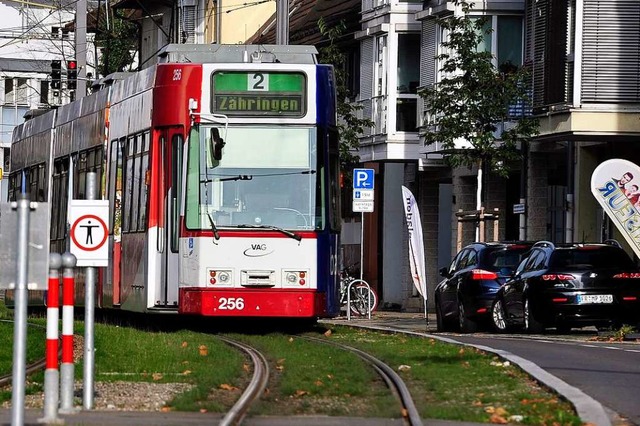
(67, 368)
(51, 373)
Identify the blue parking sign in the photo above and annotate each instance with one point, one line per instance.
(363, 178)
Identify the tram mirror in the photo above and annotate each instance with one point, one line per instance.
(216, 144)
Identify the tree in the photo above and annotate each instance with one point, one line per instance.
(117, 42)
(350, 127)
(472, 101)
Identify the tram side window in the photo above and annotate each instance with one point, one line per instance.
(89, 161)
(136, 189)
(59, 197)
(15, 183)
(37, 182)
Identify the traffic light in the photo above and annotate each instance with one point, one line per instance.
(72, 74)
(56, 74)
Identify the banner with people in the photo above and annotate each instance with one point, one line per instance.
(416, 244)
(616, 185)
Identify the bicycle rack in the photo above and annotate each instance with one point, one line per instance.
(349, 298)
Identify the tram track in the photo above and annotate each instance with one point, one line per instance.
(256, 386)
(30, 368)
(408, 408)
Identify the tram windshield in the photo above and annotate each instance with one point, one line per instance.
(254, 176)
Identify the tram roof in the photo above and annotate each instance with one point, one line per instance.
(238, 53)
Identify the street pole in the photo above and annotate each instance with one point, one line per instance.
(20, 314)
(89, 319)
(282, 21)
(81, 47)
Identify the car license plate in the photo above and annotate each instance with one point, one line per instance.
(595, 298)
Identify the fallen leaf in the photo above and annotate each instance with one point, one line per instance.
(156, 376)
(290, 339)
(185, 344)
(165, 409)
(186, 372)
(203, 410)
(227, 387)
(318, 383)
(246, 367)
(300, 393)
(495, 418)
(500, 411)
(330, 376)
(327, 333)
(477, 403)
(404, 367)
(461, 351)
(490, 409)
(203, 350)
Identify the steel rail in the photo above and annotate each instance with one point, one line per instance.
(394, 381)
(256, 387)
(34, 367)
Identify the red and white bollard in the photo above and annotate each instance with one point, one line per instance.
(51, 374)
(67, 368)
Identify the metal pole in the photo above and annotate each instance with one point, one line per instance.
(361, 244)
(67, 368)
(89, 309)
(20, 325)
(282, 21)
(51, 373)
(81, 47)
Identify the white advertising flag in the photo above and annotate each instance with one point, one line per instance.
(416, 245)
(615, 184)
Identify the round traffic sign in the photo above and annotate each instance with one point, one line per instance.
(87, 223)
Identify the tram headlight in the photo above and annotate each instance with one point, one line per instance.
(292, 277)
(219, 276)
(295, 278)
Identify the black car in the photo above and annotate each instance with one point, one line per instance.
(464, 298)
(570, 285)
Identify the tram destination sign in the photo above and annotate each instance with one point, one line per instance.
(257, 93)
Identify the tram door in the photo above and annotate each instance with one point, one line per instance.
(171, 143)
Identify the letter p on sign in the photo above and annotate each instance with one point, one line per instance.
(363, 178)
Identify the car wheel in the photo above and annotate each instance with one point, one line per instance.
(466, 325)
(498, 317)
(530, 323)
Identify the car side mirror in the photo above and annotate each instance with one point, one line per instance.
(445, 272)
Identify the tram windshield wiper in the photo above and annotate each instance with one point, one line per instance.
(274, 228)
(214, 228)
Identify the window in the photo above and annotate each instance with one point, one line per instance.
(136, 183)
(89, 161)
(59, 198)
(408, 81)
(176, 186)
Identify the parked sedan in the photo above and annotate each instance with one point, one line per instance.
(464, 298)
(570, 285)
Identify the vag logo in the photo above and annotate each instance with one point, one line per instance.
(257, 250)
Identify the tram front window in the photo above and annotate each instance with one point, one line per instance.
(265, 176)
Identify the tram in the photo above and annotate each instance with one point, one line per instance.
(221, 167)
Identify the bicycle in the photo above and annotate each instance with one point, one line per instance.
(363, 299)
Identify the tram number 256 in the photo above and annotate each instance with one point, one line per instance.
(231, 303)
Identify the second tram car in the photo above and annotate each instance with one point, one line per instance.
(221, 167)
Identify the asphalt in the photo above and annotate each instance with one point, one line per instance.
(589, 410)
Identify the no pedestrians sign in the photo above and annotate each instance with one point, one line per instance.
(89, 231)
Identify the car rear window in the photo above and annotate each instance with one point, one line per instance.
(601, 257)
(500, 258)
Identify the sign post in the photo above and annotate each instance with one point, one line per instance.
(89, 233)
(363, 201)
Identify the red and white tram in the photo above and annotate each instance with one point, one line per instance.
(221, 167)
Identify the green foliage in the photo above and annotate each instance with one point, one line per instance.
(473, 98)
(350, 127)
(117, 44)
